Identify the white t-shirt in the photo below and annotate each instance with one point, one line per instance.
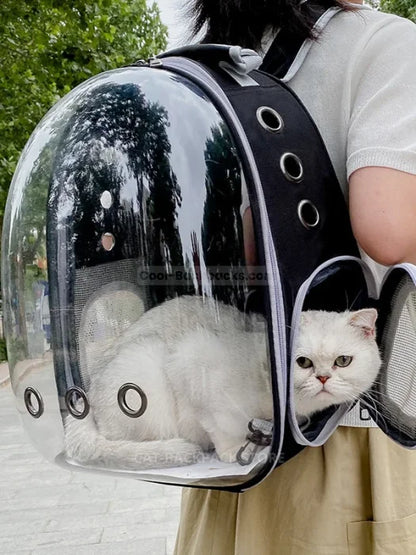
(358, 82)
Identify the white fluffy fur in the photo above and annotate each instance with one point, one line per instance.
(323, 337)
(205, 371)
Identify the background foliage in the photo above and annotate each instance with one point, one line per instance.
(404, 8)
(47, 47)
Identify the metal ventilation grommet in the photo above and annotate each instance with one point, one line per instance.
(308, 214)
(106, 199)
(108, 241)
(76, 402)
(121, 398)
(291, 166)
(36, 408)
(269, 119)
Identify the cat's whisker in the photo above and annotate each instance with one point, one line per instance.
(367, 395)
(351, 396)
(381, 394)
(353, 302)
(372, 405)
(346, 299)
(370, 401)
(409, 397)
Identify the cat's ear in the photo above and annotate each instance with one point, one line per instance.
(366, 320)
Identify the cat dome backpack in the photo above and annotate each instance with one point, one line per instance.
(133, 309)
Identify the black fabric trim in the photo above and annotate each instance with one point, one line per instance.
(285, 47)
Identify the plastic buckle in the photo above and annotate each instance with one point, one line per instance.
(261, 432)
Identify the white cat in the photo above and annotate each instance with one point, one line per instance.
(204, 368)
(337, 359)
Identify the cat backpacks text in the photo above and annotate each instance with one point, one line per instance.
(167, 225)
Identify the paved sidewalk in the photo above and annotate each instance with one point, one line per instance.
(47, 510)
(4, 374)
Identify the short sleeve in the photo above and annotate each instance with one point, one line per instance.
(382, 127)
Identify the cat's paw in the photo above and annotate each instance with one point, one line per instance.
(229, 455)
(185, 453)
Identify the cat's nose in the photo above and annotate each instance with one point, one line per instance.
(323, 379)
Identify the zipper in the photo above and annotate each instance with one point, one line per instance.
(410, 269)
(333, 421)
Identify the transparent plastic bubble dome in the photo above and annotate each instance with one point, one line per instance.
(130, 196)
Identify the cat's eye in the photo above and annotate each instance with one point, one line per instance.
(304, 362)
(343, 361)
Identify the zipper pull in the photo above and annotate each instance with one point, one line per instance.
(155, 62)
(151, 62)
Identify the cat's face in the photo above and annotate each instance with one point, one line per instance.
(336, 358)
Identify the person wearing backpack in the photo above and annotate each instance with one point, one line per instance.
(356, 75)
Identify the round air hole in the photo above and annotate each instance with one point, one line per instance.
(76, 402)
(108, 241)
(33, 402)
(308, 214)
(106, 199)
(291, 166)
(269, 119)
(132, 400)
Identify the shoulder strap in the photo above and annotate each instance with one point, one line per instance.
(285, 48)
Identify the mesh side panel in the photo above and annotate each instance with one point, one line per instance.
(107, 302)
(401, 376)
(398, 382)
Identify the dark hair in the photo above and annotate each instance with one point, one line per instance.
(244, 22)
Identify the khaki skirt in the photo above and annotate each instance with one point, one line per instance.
(356, 495)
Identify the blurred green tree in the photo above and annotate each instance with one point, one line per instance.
(404, 8)
(47, 47)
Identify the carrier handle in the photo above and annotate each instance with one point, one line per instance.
(235, 58)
